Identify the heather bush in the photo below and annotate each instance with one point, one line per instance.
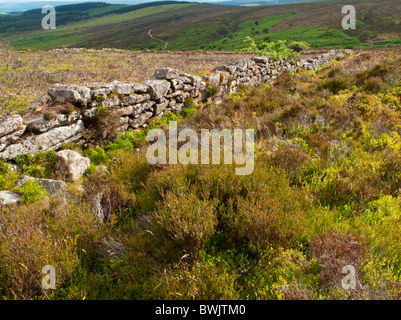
(49, 232)
(204, 280)
(186, 220)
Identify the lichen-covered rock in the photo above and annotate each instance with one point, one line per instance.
(141, 120)
(12, 137)
(123, 87)
(10, 124)
(111, 102)
(212, 80)
(160, 106)
(135, 98)
(39, 122)
(176, 84)
(8, 197)
(243, 65)
(157, 88)
(52, 186)
(193, 80)
(166, 73)
(70, 165)
(76, 95)
(141, 88)
(260, 60)
(123, 124)
(50, 140)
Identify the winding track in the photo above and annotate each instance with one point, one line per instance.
(165, 43)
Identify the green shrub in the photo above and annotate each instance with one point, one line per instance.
(31, 191)
(298, 46)
(39, 166)
(7, 176)
(364, 36)
(336, 84)
(374, 84)
(274, 50)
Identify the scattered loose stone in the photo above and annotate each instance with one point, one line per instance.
(70, 165)
(8, 197)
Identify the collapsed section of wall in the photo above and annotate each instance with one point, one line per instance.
(64, 117)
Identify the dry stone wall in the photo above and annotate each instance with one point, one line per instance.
(62, 118)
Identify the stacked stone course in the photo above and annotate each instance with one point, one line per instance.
(62, 118)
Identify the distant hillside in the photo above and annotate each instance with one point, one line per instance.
(15, 6)
(193, 26)
(67, 14)
(255, 2)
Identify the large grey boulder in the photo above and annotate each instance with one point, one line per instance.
(70, 165)
(76, 95)
(8, 197)
(157, 88)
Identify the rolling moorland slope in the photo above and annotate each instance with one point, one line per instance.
(192, 26)
(325, 191)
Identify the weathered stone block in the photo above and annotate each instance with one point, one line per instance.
(157, 88)
(76, 95)
(70, 165)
